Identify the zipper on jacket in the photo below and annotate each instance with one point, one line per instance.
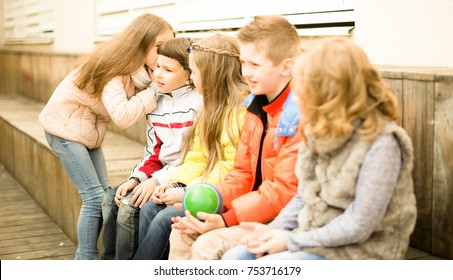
(97, 131)
(172, 100)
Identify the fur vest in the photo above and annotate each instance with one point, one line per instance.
(329, 174)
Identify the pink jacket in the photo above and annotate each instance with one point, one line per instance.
(75, 116)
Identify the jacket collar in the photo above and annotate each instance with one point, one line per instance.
(177, 93)
(289, 118)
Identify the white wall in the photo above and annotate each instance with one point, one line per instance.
(392, 32)
(2, 20)
(406, 32)
(74, 26)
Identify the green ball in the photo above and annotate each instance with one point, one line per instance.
(202, 197)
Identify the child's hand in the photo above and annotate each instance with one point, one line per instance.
(122, 190)
(172, 196)
(178, 205)
(256, 230)
(191, 225)
(156, 196)
(272, 241)
(142, 193)
(261, 240)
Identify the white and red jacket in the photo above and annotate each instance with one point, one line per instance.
(166, 130)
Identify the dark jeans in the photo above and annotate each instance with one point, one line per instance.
(154, 232)
(120, 233)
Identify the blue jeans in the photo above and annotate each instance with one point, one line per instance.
(240, 252)
(88, 171)
(154, 233)
(120, 234)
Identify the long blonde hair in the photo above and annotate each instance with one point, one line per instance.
(124, 54)
(223, 87)
(339, 90)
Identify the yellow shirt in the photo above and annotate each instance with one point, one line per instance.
(191, 170)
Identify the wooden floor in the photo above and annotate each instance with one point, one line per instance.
(26, 232)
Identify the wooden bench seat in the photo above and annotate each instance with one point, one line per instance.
(27, 233)
(26, 155)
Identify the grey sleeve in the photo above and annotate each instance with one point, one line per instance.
(375, 185)
(287, 218)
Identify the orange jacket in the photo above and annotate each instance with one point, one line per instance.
(263, 178)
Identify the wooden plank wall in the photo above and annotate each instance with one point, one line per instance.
(426, 99)
(36, 75)
(443, 168)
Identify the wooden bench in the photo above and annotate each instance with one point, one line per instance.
(30, 160)
(425, 96)
(27, 232)
(26, 155)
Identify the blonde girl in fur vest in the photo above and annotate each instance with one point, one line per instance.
(355, 198)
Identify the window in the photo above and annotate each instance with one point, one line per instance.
(311, 18)
(32, 21)
(28, 22)
(114, 15)
(194, 18)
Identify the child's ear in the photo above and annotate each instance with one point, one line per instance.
(287, 67)
(188, 81)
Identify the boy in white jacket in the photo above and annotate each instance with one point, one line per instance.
(178, 107)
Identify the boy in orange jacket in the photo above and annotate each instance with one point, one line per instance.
(263, 179)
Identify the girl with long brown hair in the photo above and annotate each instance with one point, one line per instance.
(110, 85)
